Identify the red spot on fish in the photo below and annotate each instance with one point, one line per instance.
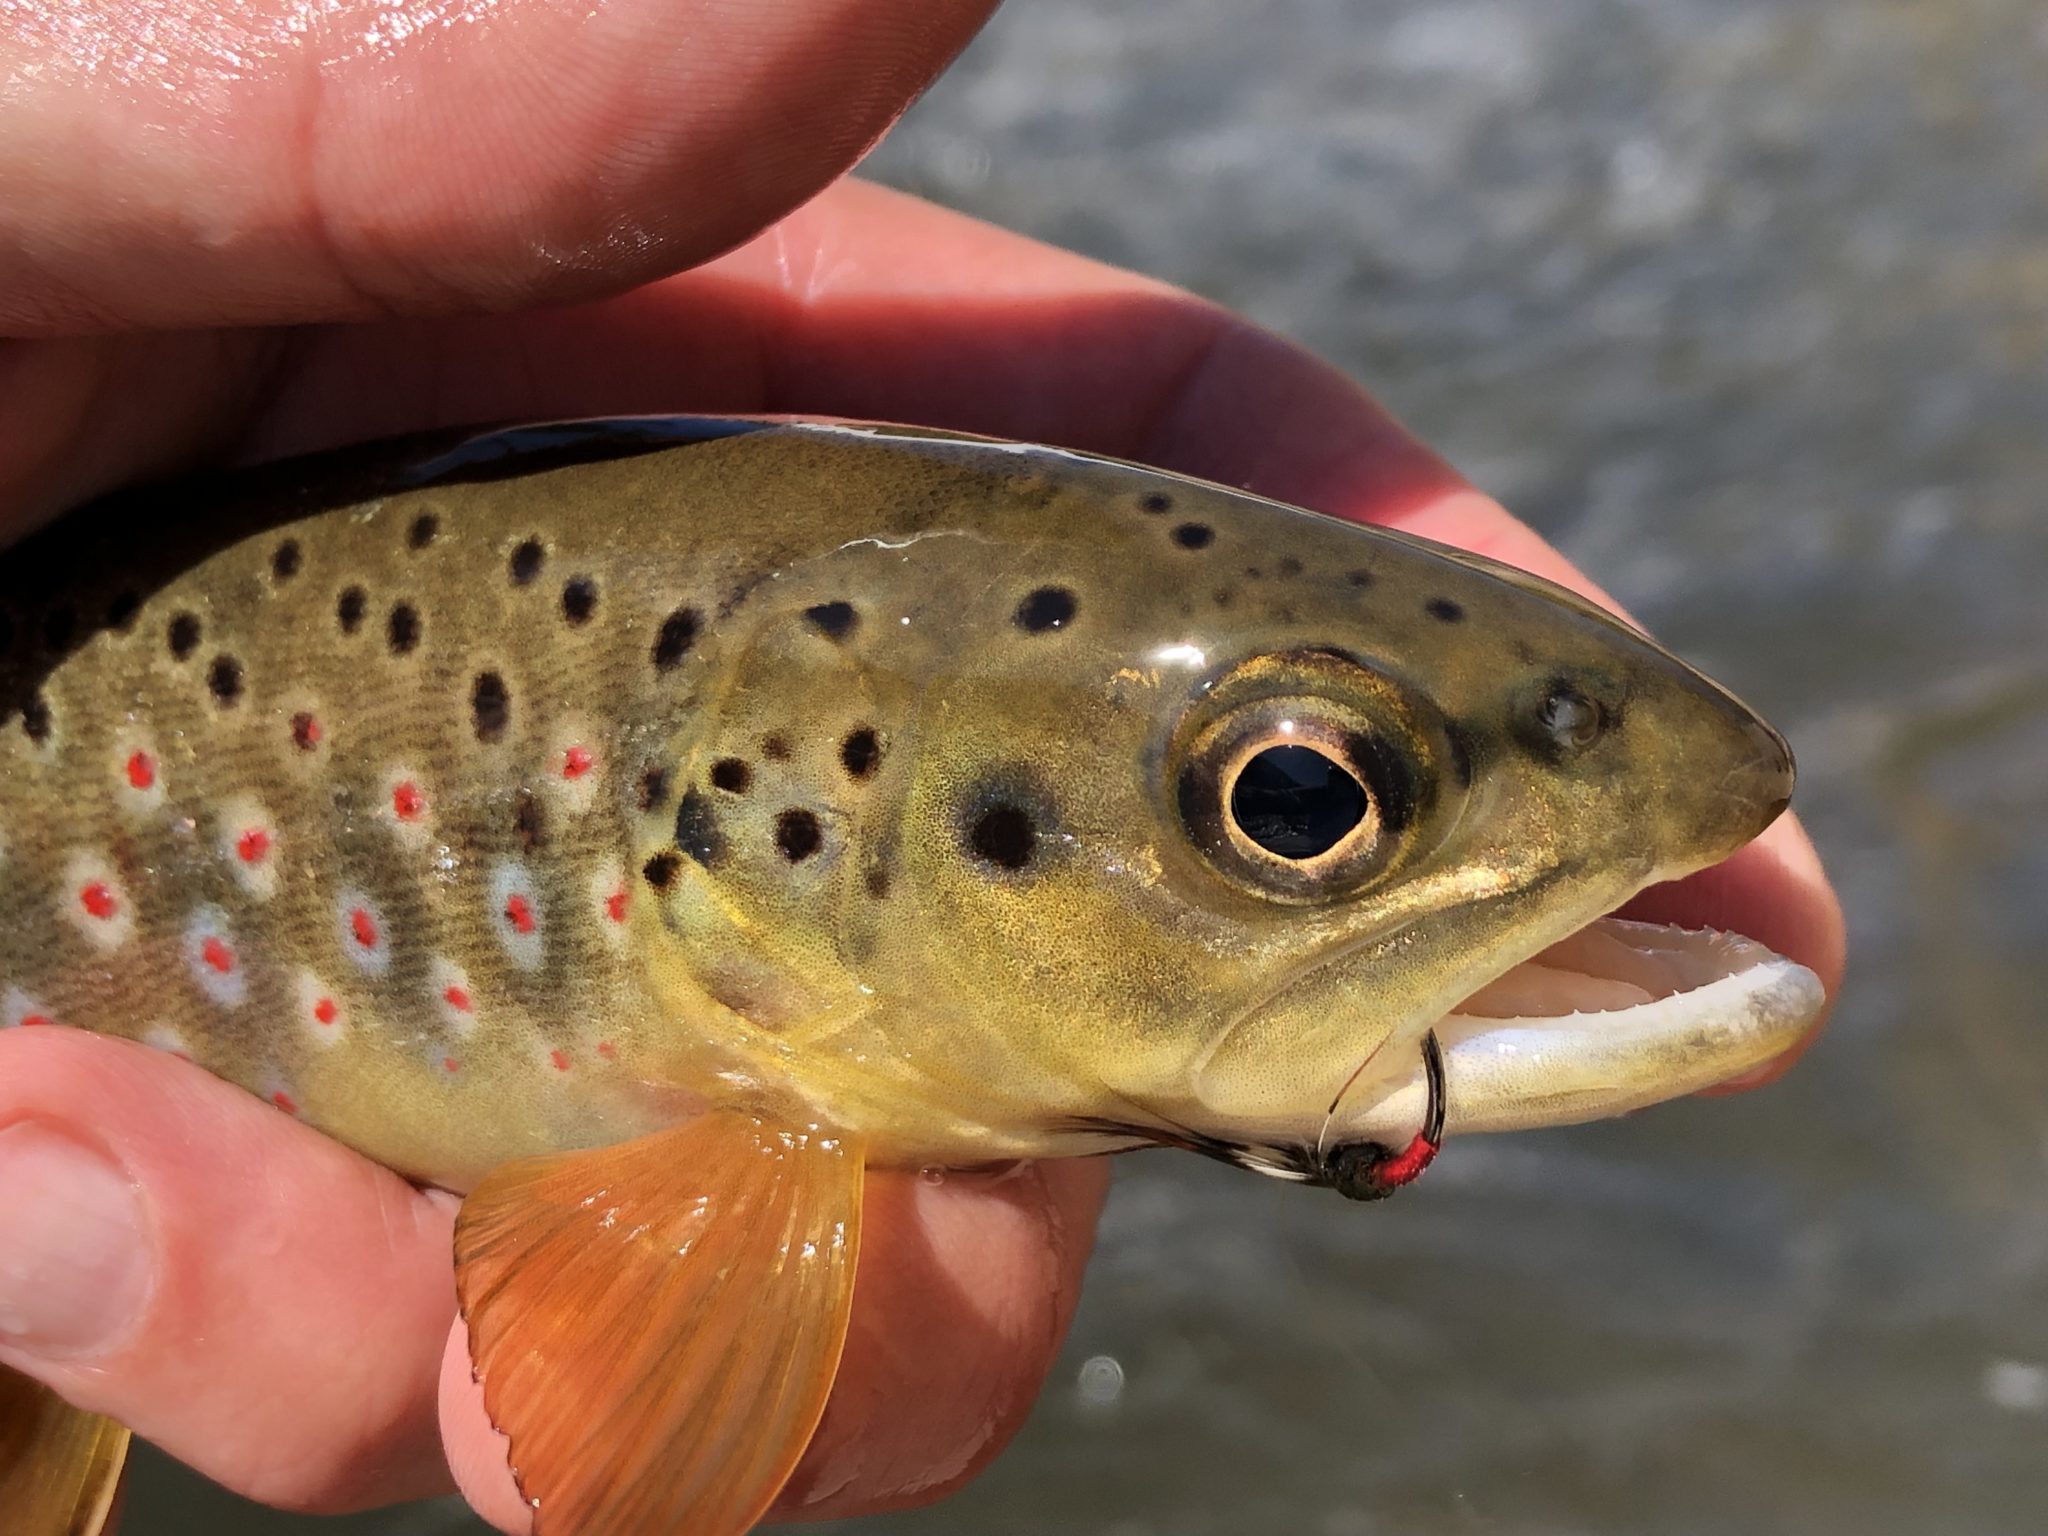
(364, 927)
(253, 844)
(607, 1050)
(407, 803)
(285, 1102)
(459, 1000)
(36, 1021)
(306, 731)
(615, 905)
(98, 901)
(217, 955)
(141, 770)
(576, 762)
(325, 1011)
(560, 1059)
(450, 1064)
(519, 913)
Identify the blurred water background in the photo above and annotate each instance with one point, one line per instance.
(1744, 303)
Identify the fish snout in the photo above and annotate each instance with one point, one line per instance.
(1730, 773)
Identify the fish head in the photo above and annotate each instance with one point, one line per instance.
(1099, 841)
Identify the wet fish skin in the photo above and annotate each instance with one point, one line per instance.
(535, 792)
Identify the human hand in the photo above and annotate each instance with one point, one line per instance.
(261, 1302)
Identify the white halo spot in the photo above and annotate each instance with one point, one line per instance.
(515, 912)
(94, 902)
(454, 996)
(18, 1008)
(248, 845)
(138, 775)
(363, 934)
(610, 895)
(213, 958)
(322, 1012)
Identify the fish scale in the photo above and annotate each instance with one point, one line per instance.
(646, 826)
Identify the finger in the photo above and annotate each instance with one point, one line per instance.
(267, 161)
(965, 1290)
(251, 1296)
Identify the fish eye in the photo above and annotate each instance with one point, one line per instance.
(1296, 802)
(1305, 776)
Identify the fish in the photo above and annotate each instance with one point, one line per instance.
(642, 827)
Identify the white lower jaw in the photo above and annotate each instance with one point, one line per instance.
(1657, 1013)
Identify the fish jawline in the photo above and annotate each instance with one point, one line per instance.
(1632, 1014)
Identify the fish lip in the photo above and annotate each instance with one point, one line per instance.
(1739, 1005)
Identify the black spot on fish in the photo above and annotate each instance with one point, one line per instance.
(349, 609)
(697, 831)
(1223, 597)
(305, 731)
(527, 560)
(1004, 835)
(860, 752)
(285, 560)
(660, 871)
(834, 620)
(490, 706)
(1289, 566)
(775, 747)
(183, 635)
(1156, 502)
(653, 789)
(579, 599)
(1046, 608)
(121, 611)
(797, 834)
(878, 882)
(678, 633)
(423, 531)
(403, 629)
(224, 679)
(1444, 609)
(732, 775)
(529, 821)
(59, 625)
(1194, 535)
(1359, 578)
(35, 718)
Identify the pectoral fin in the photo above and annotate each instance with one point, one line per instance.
(60, 1469)
(657, 1324)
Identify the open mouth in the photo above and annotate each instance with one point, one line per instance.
(1617, 1016)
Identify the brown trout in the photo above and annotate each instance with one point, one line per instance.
(644, 826)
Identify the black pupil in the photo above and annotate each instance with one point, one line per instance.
(1295, 802)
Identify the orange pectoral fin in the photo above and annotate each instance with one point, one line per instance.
(657, 1324)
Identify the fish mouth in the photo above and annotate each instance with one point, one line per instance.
(1614, 1017)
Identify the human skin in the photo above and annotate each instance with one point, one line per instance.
(189, 211)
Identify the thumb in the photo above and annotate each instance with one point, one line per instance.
(254, 1298)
